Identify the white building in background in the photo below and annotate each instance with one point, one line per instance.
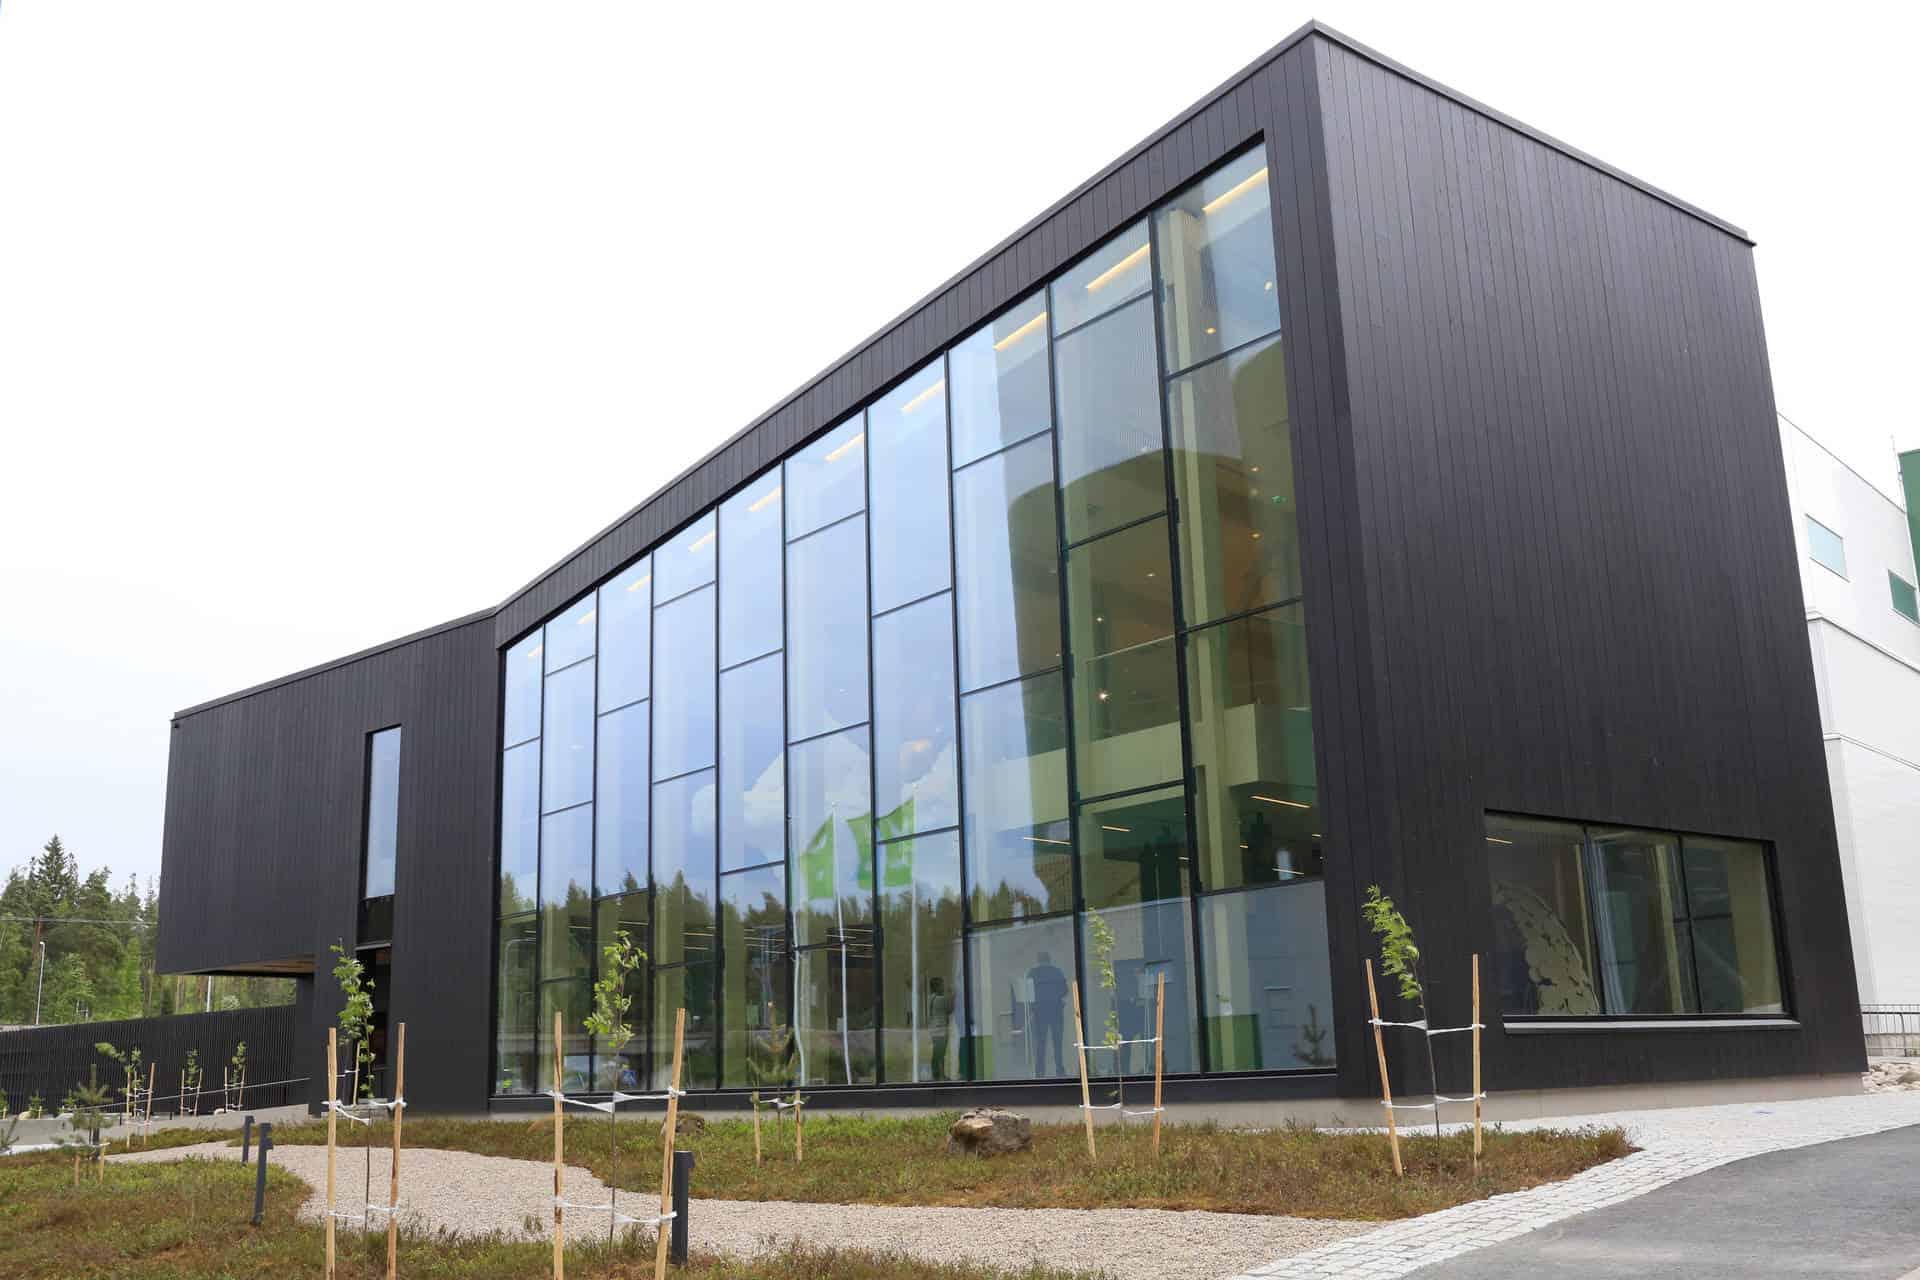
(1858, 576)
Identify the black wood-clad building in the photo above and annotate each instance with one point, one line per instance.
(1348, 486)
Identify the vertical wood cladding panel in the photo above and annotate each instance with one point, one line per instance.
(1572, 547)
(265, 818)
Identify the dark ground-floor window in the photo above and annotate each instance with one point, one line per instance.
(1603, 921)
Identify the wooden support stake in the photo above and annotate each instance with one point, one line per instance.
(153, 1078)
(1080, 1052)
(799, 1128)
(393, 1180)
(76, 1168)
(333, 1096)
(559, 1141)
(1386, 1089)
(1159, 1054)
(756, 1129)
(663, 1229)
(1476, 1062)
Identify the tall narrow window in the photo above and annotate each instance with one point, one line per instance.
(382, 837)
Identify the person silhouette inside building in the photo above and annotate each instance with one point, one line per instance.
(1049, 998)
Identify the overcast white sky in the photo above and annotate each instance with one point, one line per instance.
(320, 323)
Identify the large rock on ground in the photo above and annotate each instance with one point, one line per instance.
(990, 1131)
(689, 1125)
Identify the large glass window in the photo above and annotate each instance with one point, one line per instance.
(570, 636)
(907, 434)
(1624, 922)
(626, 628)
(827, 630)
(1112, 461)
(1022, 1021)
(1126, 698)
(566, 894)
(1133, 848)
(567, 761)
(519, 827)
(759, 1051)
(1543, 941)
(1007, 549)
(690, 987)
(1138, 944)
(1730, 904)
(921, 962)
(1233, 470)
(834, 1013)
(683, 658)
(1252, 734)
(683, 868)
(750, 561)
(913, 718)
(827, 480)
(573, 1001)
(1018, 840)
(516, 1045)
(620, 857)
(831, 835)
(753, 779)
(685, 560)
(1000, 384)
(623, 1066)
(878, 754)
(521, 715)
(1117, 272)
(1216, 263)
(1269, 1004)
(383, 812)
(1646, 956)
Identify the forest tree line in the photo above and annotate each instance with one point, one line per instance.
(99, 950)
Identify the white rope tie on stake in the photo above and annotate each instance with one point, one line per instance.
(347, 1111)
(625, 1219)
(1118, 1043)
(608, 1107)
(1447, 1031)
(1150, 1111)
(1421, 1023)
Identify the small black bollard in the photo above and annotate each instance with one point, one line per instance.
(246, 1140)
(682, 1192)
(260, 1179)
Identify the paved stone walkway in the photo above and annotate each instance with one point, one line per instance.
(1674, 1144)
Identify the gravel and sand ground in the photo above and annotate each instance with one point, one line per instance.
(470, 1194)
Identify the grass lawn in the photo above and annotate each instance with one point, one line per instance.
(189, 1222)
(901, 1161)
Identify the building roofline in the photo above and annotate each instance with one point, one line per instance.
(322, 668)
(1851, 470)
(1310, 29)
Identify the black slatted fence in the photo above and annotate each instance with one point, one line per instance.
(49, 1061)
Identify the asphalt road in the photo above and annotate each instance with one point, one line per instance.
(1840, 1209)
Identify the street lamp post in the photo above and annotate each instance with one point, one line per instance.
(42, 985)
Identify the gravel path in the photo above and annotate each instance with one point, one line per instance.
(470, 1194)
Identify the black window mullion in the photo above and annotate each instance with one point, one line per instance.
(1686, 906)
(1175, 584)
(719, 836)
(1077, 903)
(873, 798)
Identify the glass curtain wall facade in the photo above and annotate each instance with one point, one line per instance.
(998, 685)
